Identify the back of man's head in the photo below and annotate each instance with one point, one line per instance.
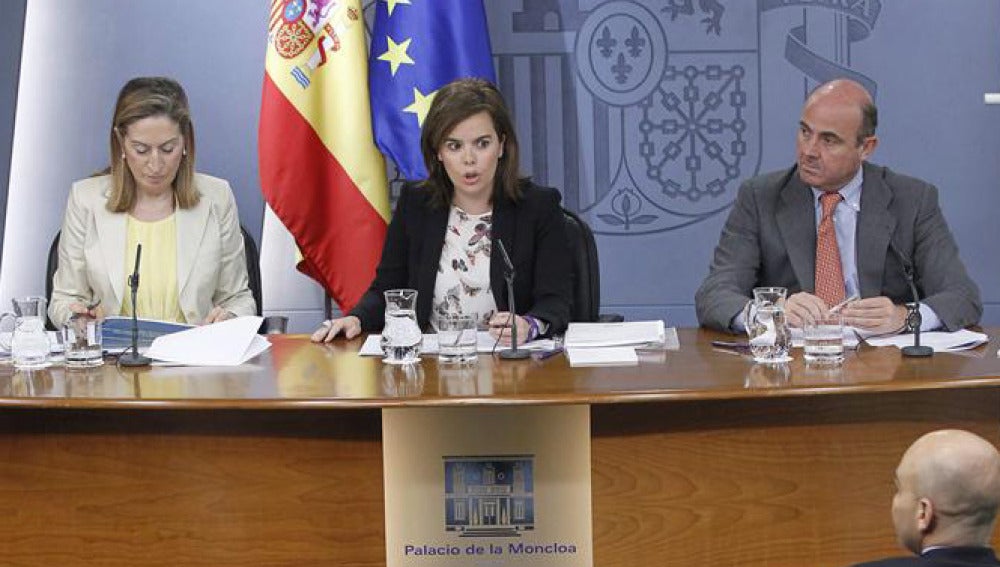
(947, 491)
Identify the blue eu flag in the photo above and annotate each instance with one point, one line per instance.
(418, 46)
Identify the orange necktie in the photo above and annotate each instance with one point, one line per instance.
(829, 273)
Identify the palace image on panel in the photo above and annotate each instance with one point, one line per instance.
(489, 496)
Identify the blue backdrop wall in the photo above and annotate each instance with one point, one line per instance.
(646, 114)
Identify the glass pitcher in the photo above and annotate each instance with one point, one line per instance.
(29, 342)
(401, 337)
(770, 338)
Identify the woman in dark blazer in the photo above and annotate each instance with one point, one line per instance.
(443, 234)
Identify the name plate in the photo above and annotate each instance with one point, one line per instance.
(487, 486)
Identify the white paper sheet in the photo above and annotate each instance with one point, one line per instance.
(615, 334)
(229, 343)
(484, 344)
(602, 356)
(940, 341)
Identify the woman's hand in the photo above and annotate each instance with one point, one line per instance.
(95, 311)
(350, 326)
(500, 328)
(216, 315)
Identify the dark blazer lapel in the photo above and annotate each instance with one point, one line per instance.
(796, 220)
(875, 227)
(435, 224)
(504, 226)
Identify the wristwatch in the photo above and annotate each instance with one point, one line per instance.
(913, 318)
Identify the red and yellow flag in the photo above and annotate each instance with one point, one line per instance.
(319, 168)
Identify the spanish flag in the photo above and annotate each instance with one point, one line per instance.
(319, 168)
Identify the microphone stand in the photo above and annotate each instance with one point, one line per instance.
(511, 353)
(913, 317)
(132, 359)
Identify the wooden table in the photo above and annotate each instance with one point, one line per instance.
(699, 456)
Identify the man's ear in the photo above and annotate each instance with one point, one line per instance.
(925, 515)
(868, 147)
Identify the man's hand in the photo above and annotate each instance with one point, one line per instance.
(875, 314)
(803, 307)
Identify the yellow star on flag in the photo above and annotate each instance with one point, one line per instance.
(396, 54)
(421, 105)
(392, 4)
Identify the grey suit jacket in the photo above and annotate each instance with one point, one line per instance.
(211, 262)
(769, 239)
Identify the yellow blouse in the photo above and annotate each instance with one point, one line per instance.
(157, 297)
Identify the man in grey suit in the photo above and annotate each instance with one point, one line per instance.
(885, 223)
(945, 506)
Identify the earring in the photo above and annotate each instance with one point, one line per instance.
(184, 152)
(123, 156)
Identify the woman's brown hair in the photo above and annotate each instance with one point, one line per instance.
(145, 97)
(453, 103)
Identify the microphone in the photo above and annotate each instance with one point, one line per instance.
(134, 358)
(913, 318)
(511, 353)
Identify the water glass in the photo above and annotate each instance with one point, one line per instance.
(456, 334)
(824, 339)
(83, 342)
(401, 336)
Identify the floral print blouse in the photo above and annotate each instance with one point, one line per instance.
(463, 278)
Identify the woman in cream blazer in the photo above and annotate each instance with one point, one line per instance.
(152, 179)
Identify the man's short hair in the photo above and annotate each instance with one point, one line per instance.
(869, 121)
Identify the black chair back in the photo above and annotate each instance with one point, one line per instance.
(586, 273)
(249, 249)
(253, 268)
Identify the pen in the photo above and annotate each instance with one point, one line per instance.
(730, 344)
(543, 354)
(844, 303)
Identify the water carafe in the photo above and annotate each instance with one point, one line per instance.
(29, 342)
(770, 338)
(401, 337)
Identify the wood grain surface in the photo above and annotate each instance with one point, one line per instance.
(190, 488)
(698, 457)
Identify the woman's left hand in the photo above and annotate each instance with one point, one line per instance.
(216, 315)
(500, 327)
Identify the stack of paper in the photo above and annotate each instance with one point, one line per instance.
(229, 343)
(602, 356)
(940, 341)
(612, 344)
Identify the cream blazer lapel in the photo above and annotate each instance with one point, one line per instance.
(191, 226)
(111, 233)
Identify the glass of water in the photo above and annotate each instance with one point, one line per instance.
(456, 334)
(824, 339)
(83, 342)
(401, 336)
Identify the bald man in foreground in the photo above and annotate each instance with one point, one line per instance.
(947, 492)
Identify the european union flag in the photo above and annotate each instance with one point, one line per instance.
(418, 46)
